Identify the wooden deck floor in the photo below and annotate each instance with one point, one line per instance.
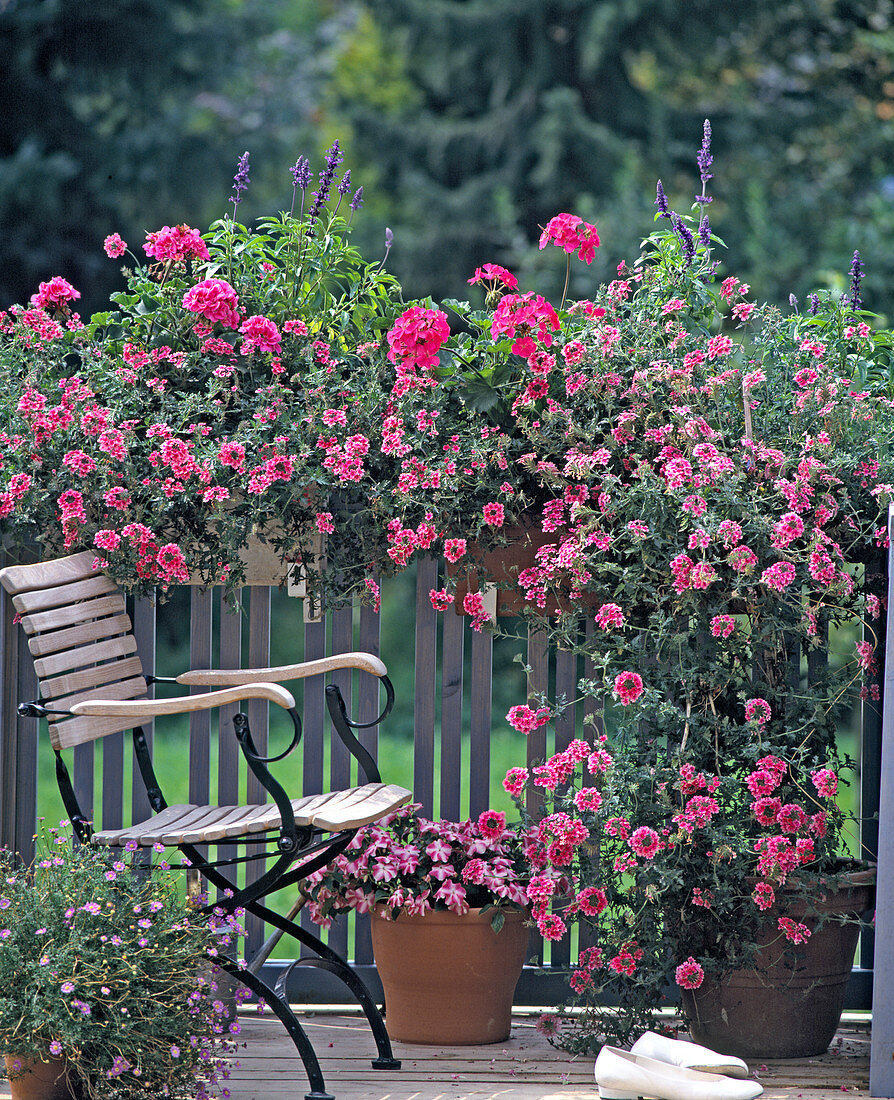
(525, 1067)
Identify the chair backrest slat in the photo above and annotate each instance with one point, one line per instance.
(26, 603)
(61, 687)
(108, 650)
(44, 644)
(73, 614)
(81, 640)
(48, 574)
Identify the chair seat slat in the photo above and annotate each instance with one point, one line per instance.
(190, 824)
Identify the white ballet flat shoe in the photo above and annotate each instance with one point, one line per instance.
(624, 1076)
(678, 1052)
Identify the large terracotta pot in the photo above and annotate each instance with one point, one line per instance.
(449, 980)
(31, 1079)
(789, 1005)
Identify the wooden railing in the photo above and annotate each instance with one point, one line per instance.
(453, 676)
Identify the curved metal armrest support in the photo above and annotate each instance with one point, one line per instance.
(220, 677)
(151, 708)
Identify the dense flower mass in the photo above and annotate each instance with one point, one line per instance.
(407, 863)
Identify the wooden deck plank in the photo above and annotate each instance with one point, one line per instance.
(525, 1067)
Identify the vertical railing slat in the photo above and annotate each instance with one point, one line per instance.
(144, 633)
(480, 686)
(425, 663)
(340, 760)
(228, 752)
(257, 712)
(881, 1063)
(370, 705)
(200, 721)
(313, 710)
(453, 635)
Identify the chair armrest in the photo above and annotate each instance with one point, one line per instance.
(220, 677)
(149, 708)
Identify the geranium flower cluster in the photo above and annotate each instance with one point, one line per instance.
(407, 863)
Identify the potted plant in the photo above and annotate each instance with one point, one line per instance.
(107, 987)
(448, 906)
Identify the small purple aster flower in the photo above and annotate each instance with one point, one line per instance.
(240, 180)
(661, 201)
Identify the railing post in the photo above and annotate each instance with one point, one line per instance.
(881, 1064)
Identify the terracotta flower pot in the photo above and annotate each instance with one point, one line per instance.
(789, 1005)
(32, 1079)
(449, 980)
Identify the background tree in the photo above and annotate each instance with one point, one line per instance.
(512, 110)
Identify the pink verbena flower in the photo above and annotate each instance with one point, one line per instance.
(494, 514)
(763, 895)
(526, 720)
(825, 781)
(609, 615)
(757, 710)
(645, 842)
(722, 626)
(628, 687)
(515, 780)
(779, 576)
(689, 974)
(215, 300)
(492, 824)
(793, 931)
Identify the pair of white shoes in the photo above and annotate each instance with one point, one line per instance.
(669, 1069)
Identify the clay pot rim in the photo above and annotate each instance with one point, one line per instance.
(479, 915)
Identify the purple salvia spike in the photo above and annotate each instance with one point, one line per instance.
(857, 269)
(357, 200)
(240, 180)
(661, 201)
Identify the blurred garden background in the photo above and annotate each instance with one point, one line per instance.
(468, 123)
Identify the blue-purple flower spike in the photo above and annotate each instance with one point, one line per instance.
(857, 269)
(813, 304)
(240, 180)
(661, 201)
(704, 158)
(321, 196)
(301, 173)
(682, 231)
(345, 186)
(704, 231)
(357, 200)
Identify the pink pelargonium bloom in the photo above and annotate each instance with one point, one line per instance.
(261, 334)
(571, 234)
(493, 273)
(417, 336)
(114, 246)
(215, 300)
(176, 243)
(523, 318)
(56, 292)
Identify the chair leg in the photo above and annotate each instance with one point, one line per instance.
(333, 962)
(342, 971)
(296, 1033)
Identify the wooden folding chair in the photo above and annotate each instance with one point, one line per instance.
(92, 685)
